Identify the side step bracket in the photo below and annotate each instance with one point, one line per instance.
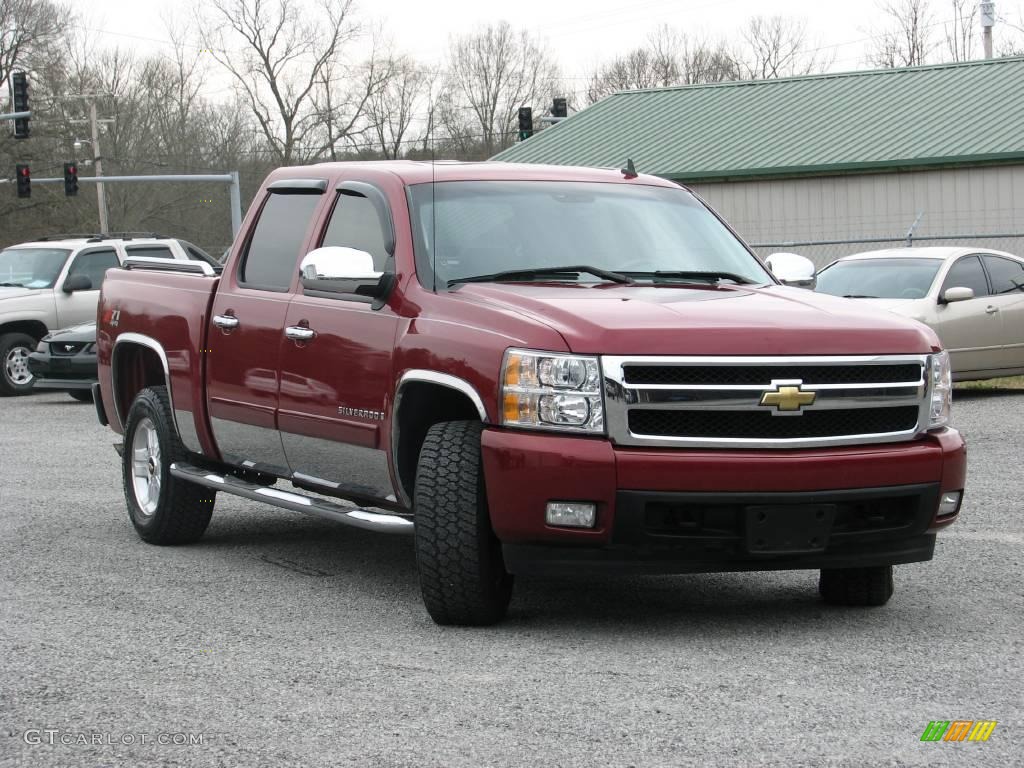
(381, 522)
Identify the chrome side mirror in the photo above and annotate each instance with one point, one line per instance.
(956, 294)
(792, 269)
(339, 270)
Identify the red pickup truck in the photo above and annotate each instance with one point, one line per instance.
(527, 369)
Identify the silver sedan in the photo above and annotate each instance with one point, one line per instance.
(972, 297)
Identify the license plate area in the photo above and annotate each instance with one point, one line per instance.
(788, 528)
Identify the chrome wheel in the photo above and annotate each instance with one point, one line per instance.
(146, 466)
(16, 366)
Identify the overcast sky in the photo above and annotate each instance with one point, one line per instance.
(580, 32)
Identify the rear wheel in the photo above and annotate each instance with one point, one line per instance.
(15, 377)
(164, 509)
(462, 573)
(856, 586)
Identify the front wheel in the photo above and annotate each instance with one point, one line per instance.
(856, 586)
(462, 572)
(15, 377)
(164, 509)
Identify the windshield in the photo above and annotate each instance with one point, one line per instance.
(489, 227)
(31, 267)
(879, 278)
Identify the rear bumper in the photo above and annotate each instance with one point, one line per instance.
(881, 500)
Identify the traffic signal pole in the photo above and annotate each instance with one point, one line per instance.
(101, 196)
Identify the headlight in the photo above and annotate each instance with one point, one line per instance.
(551, 390)
(940, 390)
(41, 346)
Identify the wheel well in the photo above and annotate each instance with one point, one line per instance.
(135, 368)
(421, 406)
(34, 328)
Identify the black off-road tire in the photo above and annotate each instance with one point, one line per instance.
(856, 586)
(183, 509)
(9, 342)
(81, 395)
(462, 573)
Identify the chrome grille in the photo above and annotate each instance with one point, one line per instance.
(719, 402)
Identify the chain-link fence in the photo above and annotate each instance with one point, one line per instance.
(824, 252)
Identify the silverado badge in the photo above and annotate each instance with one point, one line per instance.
(788, 397)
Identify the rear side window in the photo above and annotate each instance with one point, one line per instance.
(272, 257)
(150, 251)
(1007, 276)
(94, 265)
(355, 224)
(967, 273)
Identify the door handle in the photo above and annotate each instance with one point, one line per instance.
(299, 333)
(991, 310)
(225, 322)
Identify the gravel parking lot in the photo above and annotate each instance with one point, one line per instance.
(281, 640)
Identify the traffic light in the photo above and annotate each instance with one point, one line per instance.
(19, 100)
(70, 179)
(560, 108)
(525, 123)
(24, 180)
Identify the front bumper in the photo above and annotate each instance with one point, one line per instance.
(691, 510)
(71, 372)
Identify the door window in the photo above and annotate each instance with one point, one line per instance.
(1007, 275)
(272, 255)
(355, 224)
(94, 265)
(966, 273)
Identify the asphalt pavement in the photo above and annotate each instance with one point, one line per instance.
(281, 640)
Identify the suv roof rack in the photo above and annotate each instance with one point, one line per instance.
(96, 236)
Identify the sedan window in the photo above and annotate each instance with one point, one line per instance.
(967, 273)
(1007, 275)
(892, 278)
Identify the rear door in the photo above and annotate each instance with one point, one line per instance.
(969, 329)
(80, 306)
(335, 388)
(248, 321)
(1007, 279)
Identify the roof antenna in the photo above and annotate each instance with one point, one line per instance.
(630, 170)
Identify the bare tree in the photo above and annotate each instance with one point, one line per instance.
(27, 29)
(493, 72)
(778, 46)
(907, 39)
(288, 50)
(960, 32)
(392, 110)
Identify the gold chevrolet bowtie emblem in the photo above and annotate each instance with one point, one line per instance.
(788, 398)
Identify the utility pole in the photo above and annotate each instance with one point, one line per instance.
(987, 12)
(101, 196)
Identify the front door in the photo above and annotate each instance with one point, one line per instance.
(1007, 278)
(80, 306)
(969, 332)
(246, 332)
(335, 386)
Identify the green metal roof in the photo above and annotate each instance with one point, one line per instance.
(942, 115)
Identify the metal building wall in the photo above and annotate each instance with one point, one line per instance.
(960, 201)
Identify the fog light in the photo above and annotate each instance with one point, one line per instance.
(571, 514)
(949, 504)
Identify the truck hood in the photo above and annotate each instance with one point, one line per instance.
(10, 292)
(691, 320)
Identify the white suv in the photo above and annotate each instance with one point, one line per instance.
(55, 283)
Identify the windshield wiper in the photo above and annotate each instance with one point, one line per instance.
(858, 296)
(12, 285)
(532, 274)
(710, 276)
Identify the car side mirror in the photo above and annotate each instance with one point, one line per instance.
(77, 283)
(336, 269)
(956, 294)
(793, 269)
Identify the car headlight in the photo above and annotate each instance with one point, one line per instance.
(551, 390)
(41, 346)
(940, 390)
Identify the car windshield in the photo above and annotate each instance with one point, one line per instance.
(467, 229)
(893, 278)
(31, 267)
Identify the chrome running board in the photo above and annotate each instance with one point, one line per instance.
(297, 502)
